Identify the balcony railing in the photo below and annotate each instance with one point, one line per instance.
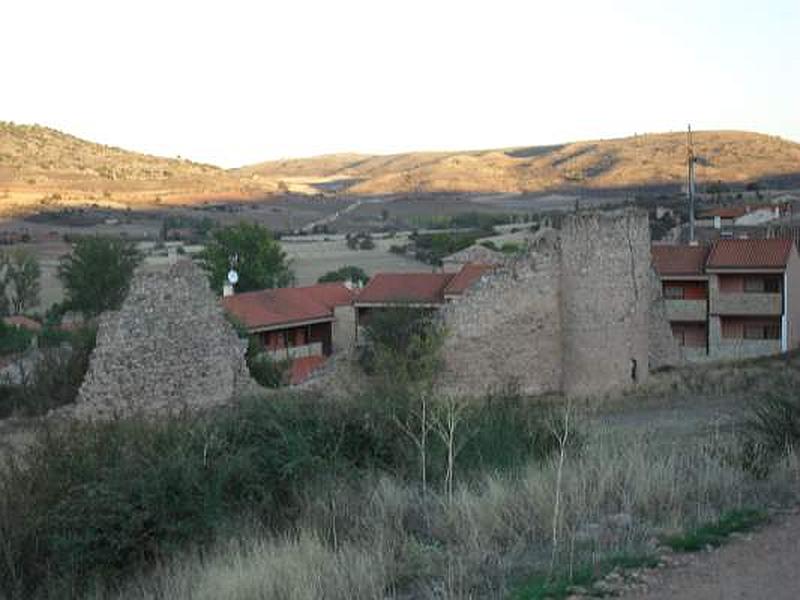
(746, 304)
(741, 348)
(686, 310)
(313, 349)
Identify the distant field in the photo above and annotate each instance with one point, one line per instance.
(310, 260)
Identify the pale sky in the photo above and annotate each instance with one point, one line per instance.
(234, 82)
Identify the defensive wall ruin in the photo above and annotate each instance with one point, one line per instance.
(168, 348)
(580, 313)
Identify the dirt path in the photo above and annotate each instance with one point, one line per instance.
(764, 565)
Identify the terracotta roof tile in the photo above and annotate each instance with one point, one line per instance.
(677, 260)
(274, 307)
(468, 275)
(386, 288)
(750, 253)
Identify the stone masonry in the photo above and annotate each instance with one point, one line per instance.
(578, 314)
(168, 349)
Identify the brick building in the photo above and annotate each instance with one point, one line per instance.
(735, 298)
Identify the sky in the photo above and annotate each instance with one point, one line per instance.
(237, 82)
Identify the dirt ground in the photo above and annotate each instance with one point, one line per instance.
(764, 565)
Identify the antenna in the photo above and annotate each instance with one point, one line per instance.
(690, 160)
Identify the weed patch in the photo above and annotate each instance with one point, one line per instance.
(715, 534)
(561, 585)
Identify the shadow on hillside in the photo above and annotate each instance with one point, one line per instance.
(533, 151)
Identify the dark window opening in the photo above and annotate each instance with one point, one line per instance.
(673, 292)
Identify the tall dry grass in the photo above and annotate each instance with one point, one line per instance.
(382, 538)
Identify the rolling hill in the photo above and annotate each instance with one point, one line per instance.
(42, 167)
(643, 160)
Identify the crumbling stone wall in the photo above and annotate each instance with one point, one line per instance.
(605, 267)
(169, 348)
(507, 330)
(574, 315)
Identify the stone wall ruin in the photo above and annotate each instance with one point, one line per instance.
(577, 314)
(168, 348)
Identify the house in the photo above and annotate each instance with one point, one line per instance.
(735, 298)
(304, 324)
(738, 216)
(427, 291)
(684, 286)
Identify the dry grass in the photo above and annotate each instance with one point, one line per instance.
(289, 568)
(383, 539)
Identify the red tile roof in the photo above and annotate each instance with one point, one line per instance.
(302, 368)
(23, 322)
(744, 254)
(468, 275)
(677, 260)
(284, 306)
(389, 288)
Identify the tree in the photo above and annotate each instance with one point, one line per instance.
(97, 274)
(403, 354)
(346, 273)
(23, 272)
(252, 251)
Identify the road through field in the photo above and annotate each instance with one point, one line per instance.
(764, 565)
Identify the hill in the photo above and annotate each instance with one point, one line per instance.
(642, 160)
(41, 167)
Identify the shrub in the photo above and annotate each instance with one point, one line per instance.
(771, 430)
(348, 272)
(54, 381)
(91, 501)
(265, 370)
(14, 339)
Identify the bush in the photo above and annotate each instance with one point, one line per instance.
(267, 371)
(55, 380)
(14, 339)
(93, 501)
(771, 430)
(346, 273)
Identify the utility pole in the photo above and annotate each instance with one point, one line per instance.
(690, 160)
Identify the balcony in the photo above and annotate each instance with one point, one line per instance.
(314, 349)
(686, 310)
(693, 353)
(746, 304)
(739, 348)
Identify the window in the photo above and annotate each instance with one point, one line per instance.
(762, 285)
(673, 292)
(769, 331)
(772, 285)
(754, 285)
